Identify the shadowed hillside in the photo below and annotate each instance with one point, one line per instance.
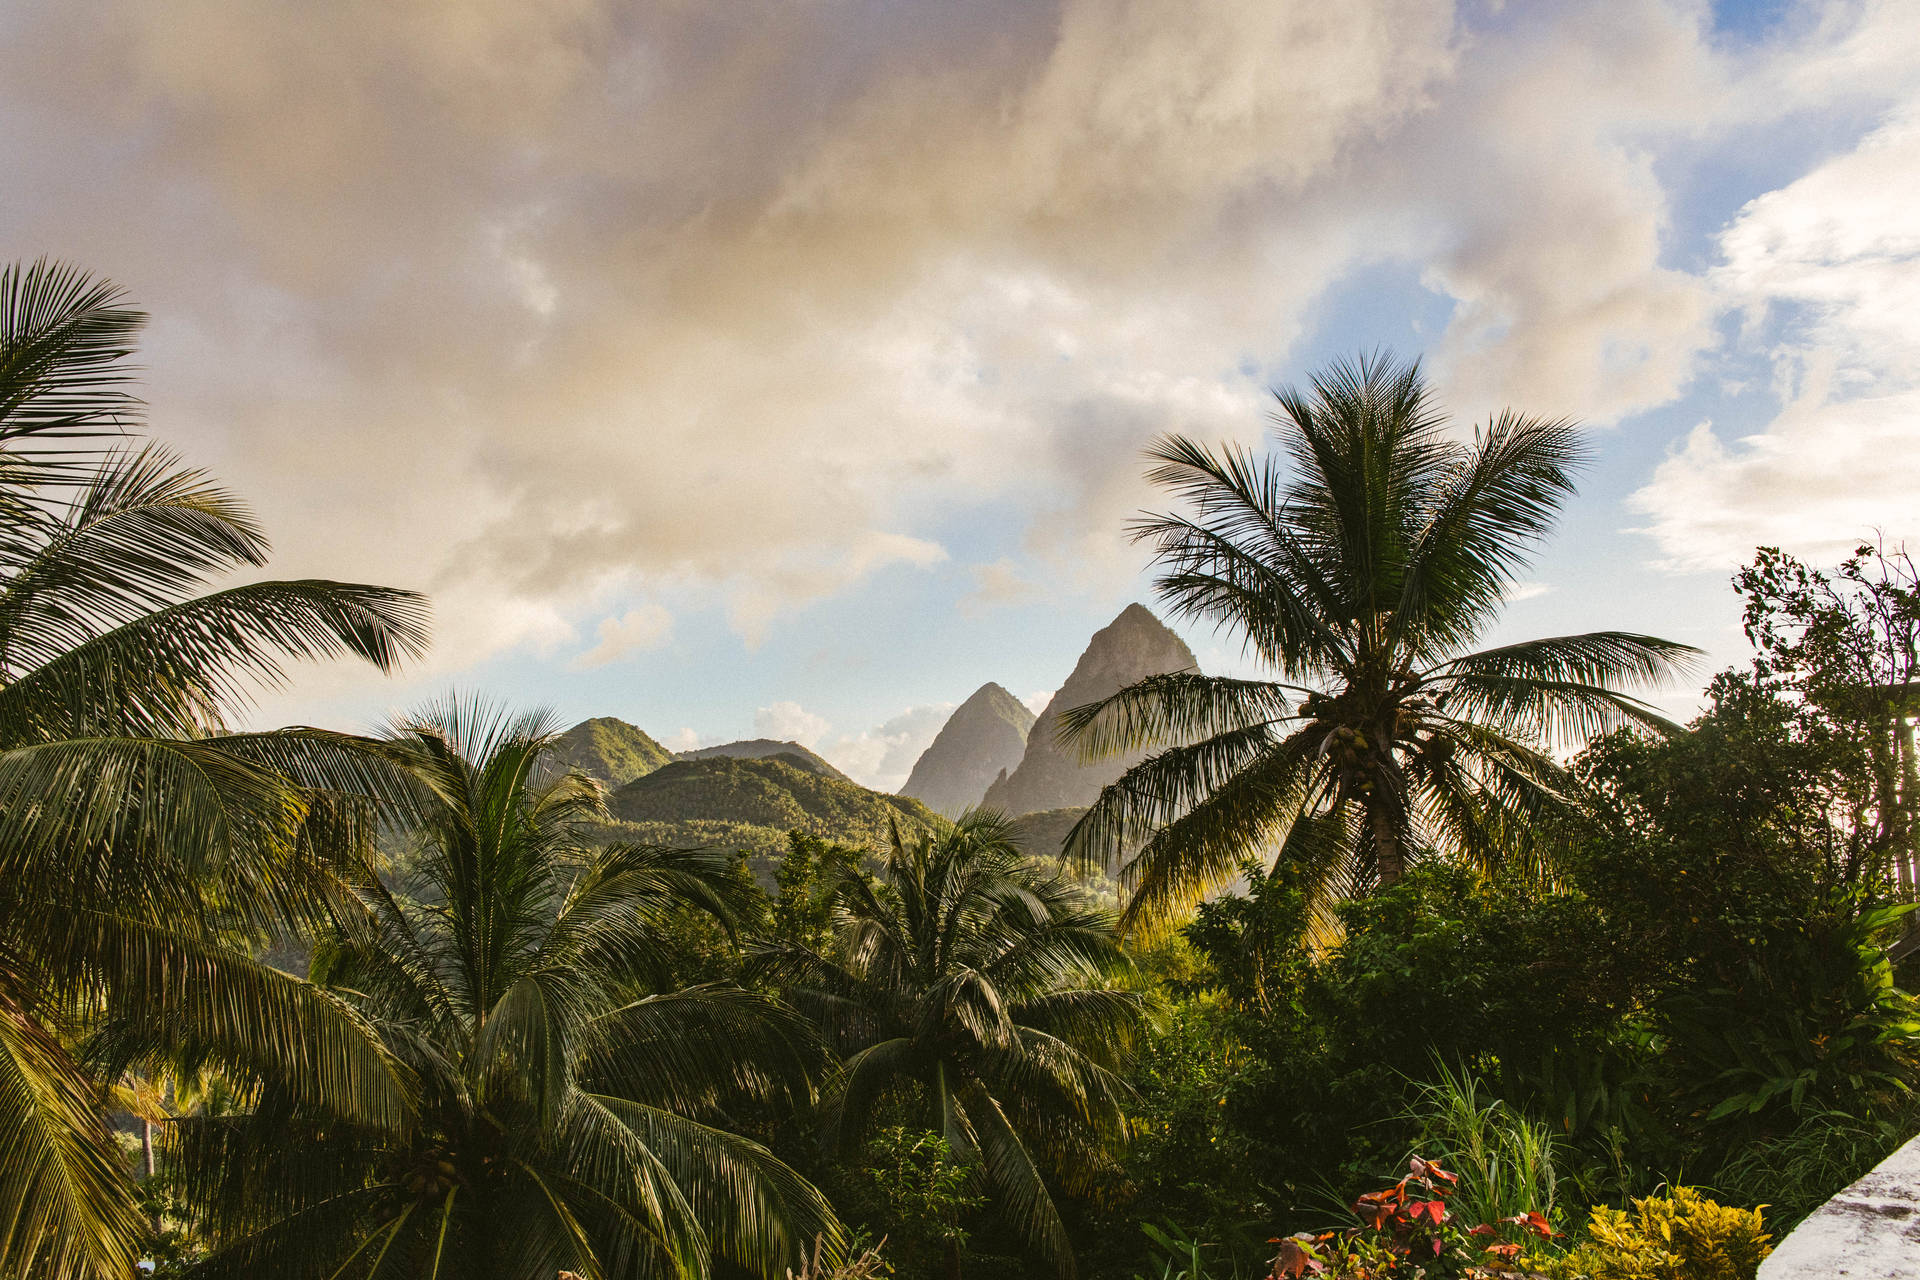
(752, 804)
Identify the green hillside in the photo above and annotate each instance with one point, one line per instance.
(767, 749)
(752, 804)
(610, 750)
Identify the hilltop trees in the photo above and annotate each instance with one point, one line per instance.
(1361, 564)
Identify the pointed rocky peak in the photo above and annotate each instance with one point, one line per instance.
(984, 737)
(1132, 647)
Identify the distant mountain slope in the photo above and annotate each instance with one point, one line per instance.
(763, 749)
(1135, 645)
(752, 804)
(1044, 834)
(985, 736)
(610, 750)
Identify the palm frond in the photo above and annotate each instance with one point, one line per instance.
(64, 1198)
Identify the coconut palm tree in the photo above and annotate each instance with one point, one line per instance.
(139, 842)
(1361, 565)
(964, 981)
(570, 1112)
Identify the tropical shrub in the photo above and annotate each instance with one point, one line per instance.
(1682, 1236)
(1503, 1158)
(910, 1188)
(1407, 1232)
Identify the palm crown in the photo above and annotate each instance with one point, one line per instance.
(1360, 565)
(139, 842)
(562, 1101)
(965, 978)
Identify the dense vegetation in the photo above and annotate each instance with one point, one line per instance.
(752, 804)
(1498, 971)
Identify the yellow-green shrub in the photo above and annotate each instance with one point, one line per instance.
(1682, 1237)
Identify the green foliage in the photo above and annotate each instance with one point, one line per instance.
(1796, 1172)
(1172, 1254)
(807, 889)
(917, 1193)
(1684, 1236)
(1847, 644)
(1189, 1161)
(967, 982)
(1729, 860)
(753, 804)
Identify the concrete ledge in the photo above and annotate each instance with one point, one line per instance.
(1870, 1231)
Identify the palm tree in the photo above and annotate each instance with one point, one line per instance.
(1360, 566)
(138, 841)
(564, 1100)
(962, 980)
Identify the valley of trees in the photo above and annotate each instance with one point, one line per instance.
(1410, 957)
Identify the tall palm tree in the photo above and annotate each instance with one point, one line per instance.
(570, 1112)
(965, 979)
(138, 841)
(1361, 566)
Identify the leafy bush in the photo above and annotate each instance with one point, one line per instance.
(1684, 1236)
(1505, 1160)
(912, 1189)
(1408, 1233)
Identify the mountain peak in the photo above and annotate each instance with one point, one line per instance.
(607, 749)
(1135, 645)
(983, 738)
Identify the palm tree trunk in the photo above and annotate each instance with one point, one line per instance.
(1387, 853)
(146, 1160)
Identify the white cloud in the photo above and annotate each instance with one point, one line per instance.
(883, 756)
(644, 627)
(790, 722)
(1827, 271)
(1038, 702)
(996, 585)
(522, 304)
(685, 739)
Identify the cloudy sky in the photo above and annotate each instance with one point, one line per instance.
(782, 368)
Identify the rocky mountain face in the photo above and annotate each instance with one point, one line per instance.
(604, 748)
(984, 737)
(767, 749)
(1050, 776)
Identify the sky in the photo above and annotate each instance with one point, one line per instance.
(782, 369)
